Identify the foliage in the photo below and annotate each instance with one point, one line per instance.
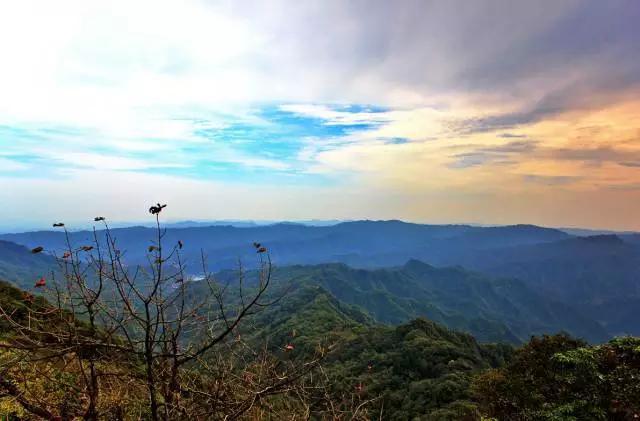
(420, 370)
(558, 377)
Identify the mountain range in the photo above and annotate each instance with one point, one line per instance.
(499, 283)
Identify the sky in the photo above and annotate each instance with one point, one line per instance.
(493, 112)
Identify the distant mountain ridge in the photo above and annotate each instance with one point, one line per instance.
(358, 243)
(596, 276)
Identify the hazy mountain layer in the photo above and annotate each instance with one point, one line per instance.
(595, 276)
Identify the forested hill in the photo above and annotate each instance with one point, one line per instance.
(492, 309)
(412, 370)
(418, 369)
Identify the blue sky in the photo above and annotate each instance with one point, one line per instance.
(436, 111)
(266, 144)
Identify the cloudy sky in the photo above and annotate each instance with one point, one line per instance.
(490, 111)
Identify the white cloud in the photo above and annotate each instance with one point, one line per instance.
(9, 165)
(105, 64)
(108, 64)
(108, 162)
(335, 115)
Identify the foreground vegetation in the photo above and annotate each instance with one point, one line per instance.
(117, 341)
(561, 378)
(419, 370)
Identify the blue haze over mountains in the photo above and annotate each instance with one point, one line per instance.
(499, 283)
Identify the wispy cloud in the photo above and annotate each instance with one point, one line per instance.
(550, 180)
(11, 165)
(496, 155)
(598, 155)
(340, 115)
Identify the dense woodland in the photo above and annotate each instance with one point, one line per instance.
(87, 333)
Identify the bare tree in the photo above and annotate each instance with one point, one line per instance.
(120, 333)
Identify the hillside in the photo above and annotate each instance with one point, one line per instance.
(416, 369)
(20, 267)
(492, 309)
(314, 314)
(598, 275)
(560, 378)
(419, 370)
(12, 301)
(489, 308)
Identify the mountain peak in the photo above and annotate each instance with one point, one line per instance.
(417, 265)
